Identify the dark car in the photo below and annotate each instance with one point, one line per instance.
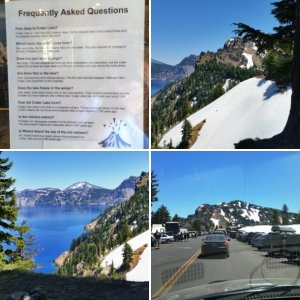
(215, 244)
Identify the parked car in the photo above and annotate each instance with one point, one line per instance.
(255, 236)
(215, 244)
(192, 234)
(243, 237)
(165, 238)
(259, 242)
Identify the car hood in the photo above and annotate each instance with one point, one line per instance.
(228, 286)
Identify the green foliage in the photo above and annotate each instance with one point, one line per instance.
(16, 264)
(278, 45)
(176, 218)
(285, 215)
(161, 216)
(186, 135)
(127, 253)
(297, 218)
(113, 229)
(12, 236)
(173, 104)
(154, 188)
(278, 67)
(275, 217)
(196, 226)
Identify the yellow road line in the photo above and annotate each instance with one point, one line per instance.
(165, 288)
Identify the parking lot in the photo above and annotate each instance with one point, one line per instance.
(180, 265)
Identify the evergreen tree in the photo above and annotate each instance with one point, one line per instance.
(285, 41)
(285, 215)
(275, 217)
(126, 232)
(297, 219)
(127, 256)
(196, 226)
(154, 188)
(176, 218)
(186, 135)
(161, 216)
(12, 242)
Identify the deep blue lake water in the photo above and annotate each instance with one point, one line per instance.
(157, 85)
(54, 229)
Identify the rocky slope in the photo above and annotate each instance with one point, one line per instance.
(80, 193)
(235, 213)
(215, 73)
(111, 229)
(236, 53)
(163, 74)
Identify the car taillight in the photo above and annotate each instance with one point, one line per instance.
(225, 244)
(204, 244)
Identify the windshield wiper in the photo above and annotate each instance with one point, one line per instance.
(273, 292)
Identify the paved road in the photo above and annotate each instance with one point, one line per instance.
(178, 265)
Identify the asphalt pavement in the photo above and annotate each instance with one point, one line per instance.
(180, 265)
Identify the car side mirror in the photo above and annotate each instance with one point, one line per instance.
(228, 239)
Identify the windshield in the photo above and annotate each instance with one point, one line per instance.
(200, 190)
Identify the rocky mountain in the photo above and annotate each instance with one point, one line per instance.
(163, 74)
(112, 228)
(234, 213)
(80, 193)
(215, 74)
(236, 53)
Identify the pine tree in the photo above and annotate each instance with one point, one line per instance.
(297, 219)
(275, 217)
(285, 215)
(186, 135)
(12, 240)
(284, 41)
(126, 232)
(127, 256)
(161, 216)
(176, 218)
(154, 188)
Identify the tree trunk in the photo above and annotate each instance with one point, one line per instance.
(289, 138)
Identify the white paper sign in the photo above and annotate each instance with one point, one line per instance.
(76, 73)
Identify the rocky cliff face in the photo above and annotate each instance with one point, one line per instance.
(164, 72)
(234, 52)
(235, 213)
(80, 193)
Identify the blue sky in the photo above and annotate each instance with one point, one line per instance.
(189, 179)
(183, 27)
(60, 169)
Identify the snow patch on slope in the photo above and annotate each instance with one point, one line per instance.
(249, 60)
(115, 256)
(215, 221)
(249, 110)
(141, 271)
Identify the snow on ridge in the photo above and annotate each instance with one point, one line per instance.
(249, 110)
(249, 60)
(215, 221)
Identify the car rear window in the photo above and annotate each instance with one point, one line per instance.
(215, 238)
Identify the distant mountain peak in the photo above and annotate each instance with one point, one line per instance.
(235, 212)
(81, 185)
(79, 193)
